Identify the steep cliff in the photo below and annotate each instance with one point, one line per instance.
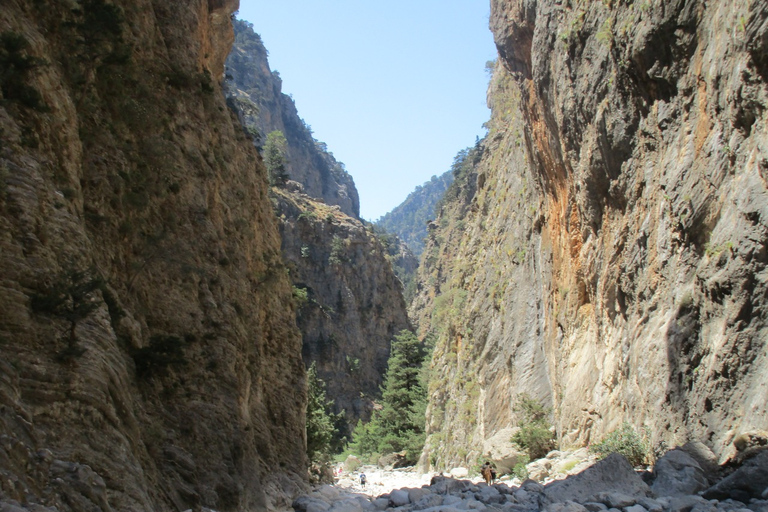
(408, 220)
(255, 90)
(149, 354)
(606, 251)
(350, 300)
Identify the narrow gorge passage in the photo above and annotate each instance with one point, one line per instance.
(195, 316)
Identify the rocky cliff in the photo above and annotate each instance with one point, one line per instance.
(150, 358)
(350, 300)
(255, 90)
(605, 251)
(409, 219)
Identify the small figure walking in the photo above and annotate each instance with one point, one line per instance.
(362, 480)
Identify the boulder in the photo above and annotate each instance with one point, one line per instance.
(392, 461)
(381, 503)
(705, 457)
(678, 474)
(398, 498)
(613, 499)
(347, 505)
(428, 501)
(613, 474)
(415, 495)
(746, 483)
(690, 504)
(351, 464)
(459, 472)
(567, 506)
(539, 470)
(445, 485)
(309, 504)
(500, 450)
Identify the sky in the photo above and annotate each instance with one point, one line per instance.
(395, 89)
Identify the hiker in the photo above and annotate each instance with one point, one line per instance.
(489, 474)
(362, 480)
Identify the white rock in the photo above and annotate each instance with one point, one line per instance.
(459, 472)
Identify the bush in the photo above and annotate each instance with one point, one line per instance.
(627, 442)
(15, 69)
(520, 470)
(535, 435)
(162, 351)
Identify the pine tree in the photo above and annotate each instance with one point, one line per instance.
(320, 418)
(399, 424)
(274, 158)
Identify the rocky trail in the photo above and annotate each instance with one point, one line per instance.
(678, 483)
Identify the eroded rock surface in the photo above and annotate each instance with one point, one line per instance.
(149, 358)
(603, 249)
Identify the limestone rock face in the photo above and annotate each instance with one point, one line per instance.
(351, 302)
(149, 357)
(256, 92)
(604, 250)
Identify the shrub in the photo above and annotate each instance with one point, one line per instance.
(162, 351)
(300, 295)
(627, 442)
(535, 435)
(15, 68)
(520, 470)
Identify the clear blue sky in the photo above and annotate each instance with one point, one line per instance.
(394, 88)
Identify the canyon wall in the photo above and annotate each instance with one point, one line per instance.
(256, 92)
(150, 358)
(350, 300)
(604, 248)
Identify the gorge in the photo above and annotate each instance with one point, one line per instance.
(602, 250)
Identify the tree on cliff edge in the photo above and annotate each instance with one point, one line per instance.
(274, 158)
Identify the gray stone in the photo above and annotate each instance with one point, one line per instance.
(635, 508)
(347, 505)
(747, 482)
(381, 503)
(451, 500)
(610, 475)
(415, 495)
(445, 485)
(428, 501)
(690, 504)
(489, 495)
(677, 474)
(310, 504)
(398, 498)
(650, 504)
(617, 500)
(704, 456)
(567, 506)
(595, 506)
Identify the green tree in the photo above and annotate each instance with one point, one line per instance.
(399, 424)
(320, 418)
(274, 158)
(534, 436)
